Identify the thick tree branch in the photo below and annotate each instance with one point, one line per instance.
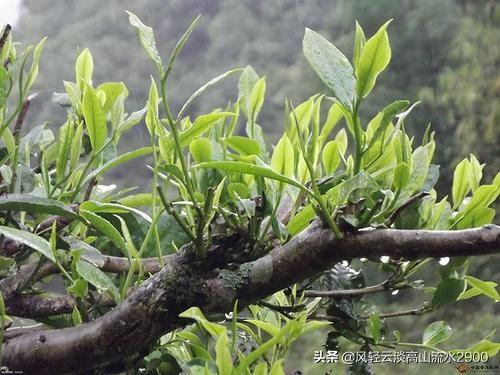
(37, 306)
(153, 308)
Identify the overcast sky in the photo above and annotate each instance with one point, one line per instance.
(9, 11)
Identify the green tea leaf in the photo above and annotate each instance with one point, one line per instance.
(201, 149)
(260, 369)
(137, 200)
(147, 39)
(76, 146)
(223, 356)
(95, 119)
(401, 176)
(331, 66)
(107, 229)
(301, 220)
(375, 327)
(436, 332)
(283, 160)
(447, 290)
(475, 173)
(246, 168)
(373, 60)
(97, 278)
(359, 44)
(88, 252)
(33, 72)
(31, 240)
(202, 124)
(335, 114)
(172, 170)
(477, 218)
(84, 68)
(33, 204)
(4, 85)
(485, 345)
(361, 183)
(112, 208)
(132, 120)
(243, 145)
(215, 330)
(460, 182)
(112, 90)
(152, 121)
(385, 118)
(277, 368)
(247, 81)
(265, 326)
(257, 97)
(238, 188)
(330, 156)
(486, 288)
(180, 45)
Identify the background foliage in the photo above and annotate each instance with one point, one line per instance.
(445, 53)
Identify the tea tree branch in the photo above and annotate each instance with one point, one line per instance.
(153, 309)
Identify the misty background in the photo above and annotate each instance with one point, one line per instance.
(444, 53)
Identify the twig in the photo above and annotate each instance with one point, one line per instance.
(347, 292)
(283, 311)
(382, 287)
(404, 206)
(90, 187)
(394, 314)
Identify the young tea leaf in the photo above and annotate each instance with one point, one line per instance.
(246, 168)
(84, 68)
(331, 66)
(282, 160)
(201, 149)
(243, 145)
(359, 44)
(373, 60)
(147, 38)
(95, 119)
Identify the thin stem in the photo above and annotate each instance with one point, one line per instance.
(392, 218)
(316, 193)
(348, 292)
(87, 166)
(171, 210)
(269, 222)
(396, 314)
(357, 138)
(17, 136)
(175, 135)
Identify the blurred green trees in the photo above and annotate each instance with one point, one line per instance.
(445, 54)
